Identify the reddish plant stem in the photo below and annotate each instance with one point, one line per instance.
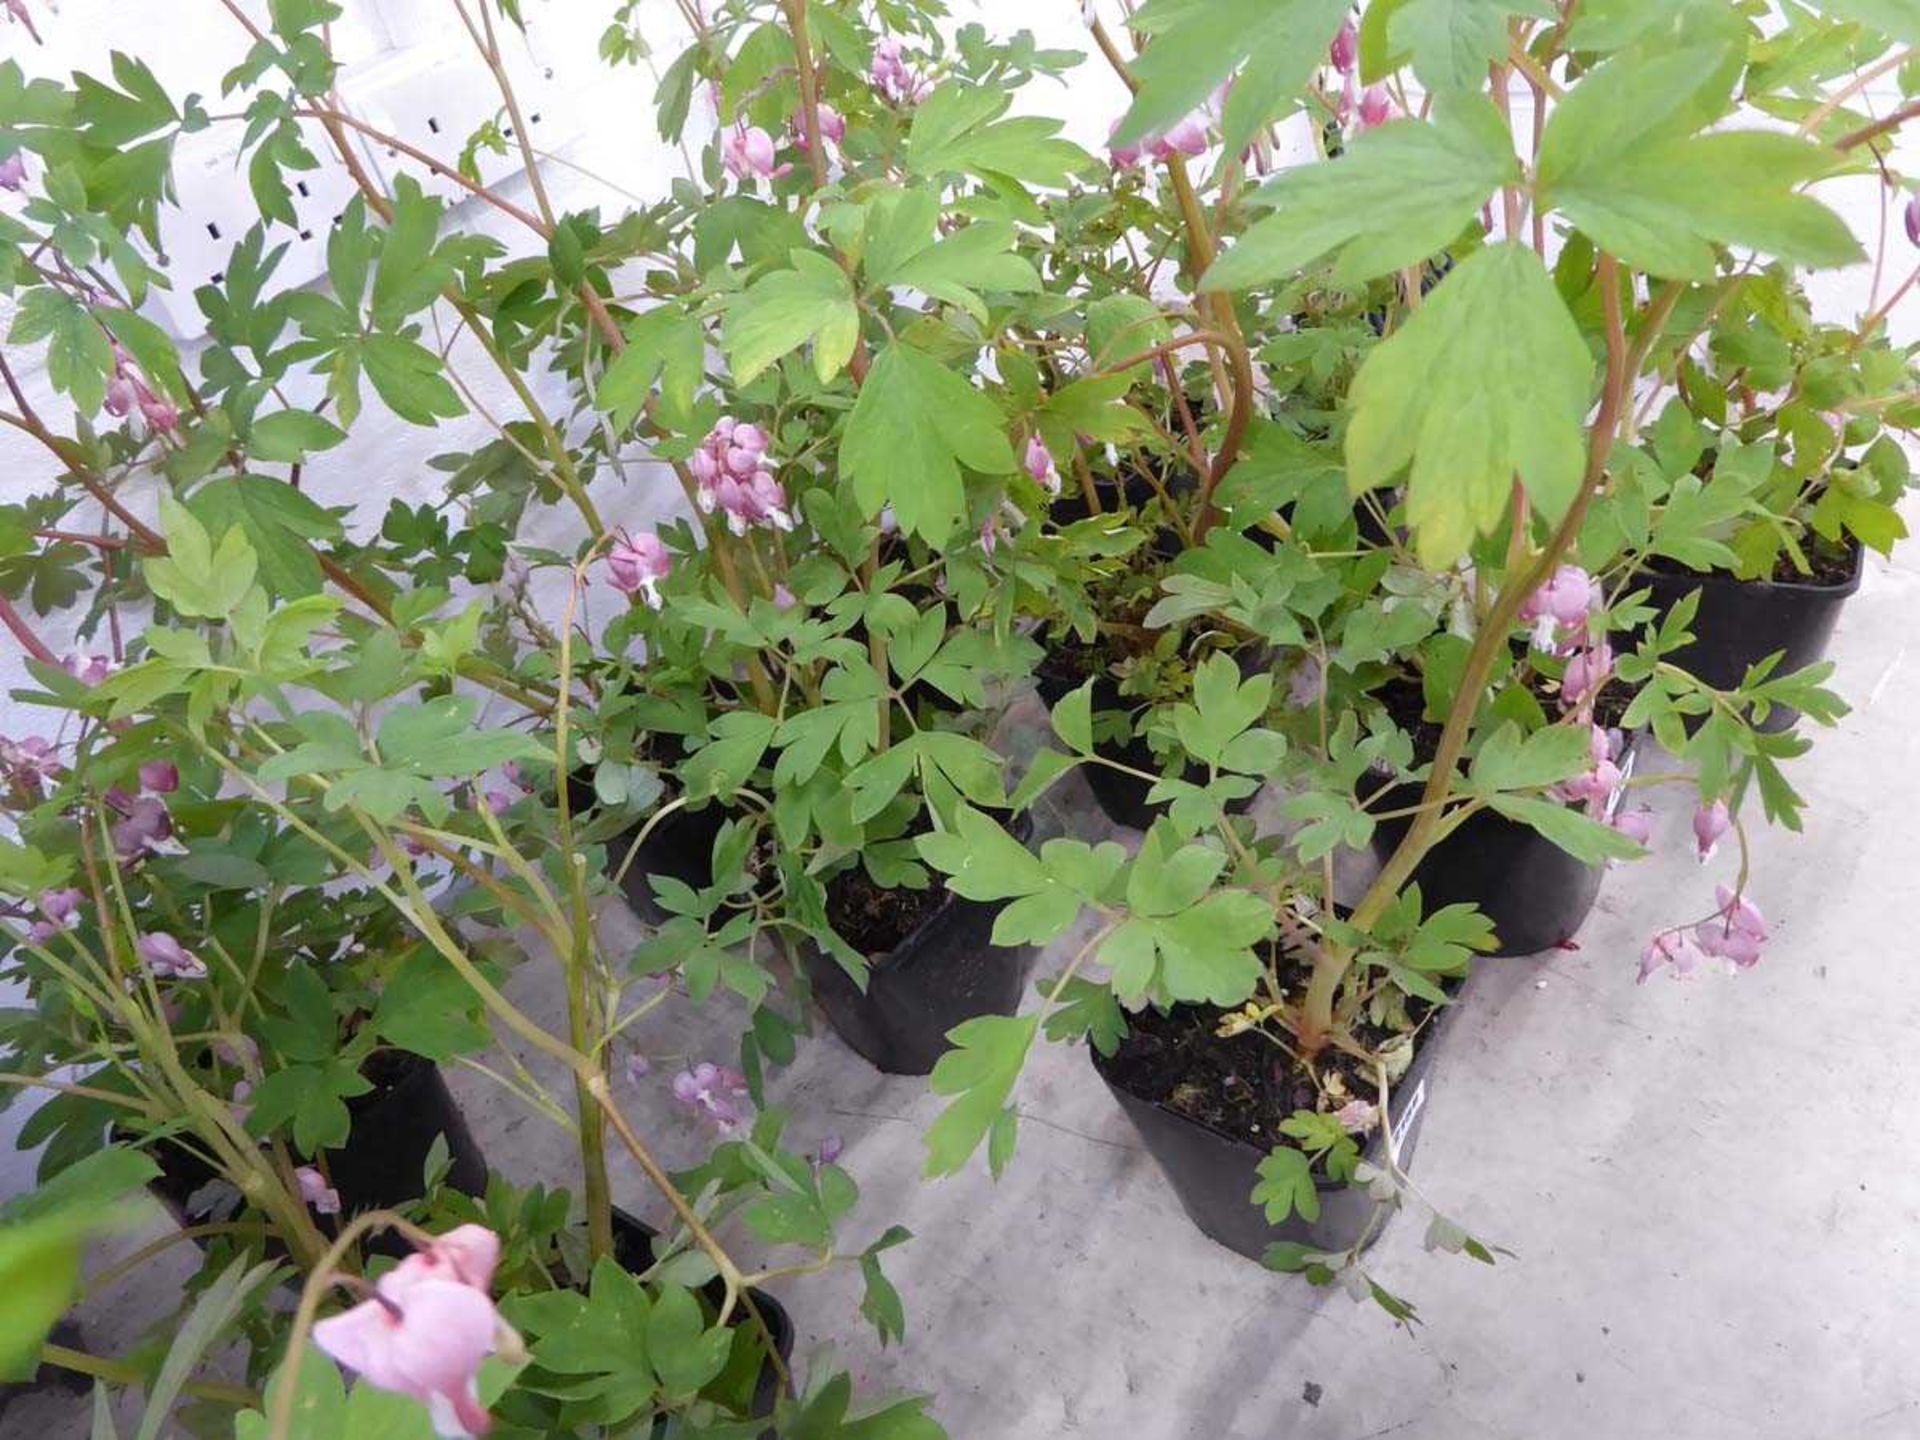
(23, 632)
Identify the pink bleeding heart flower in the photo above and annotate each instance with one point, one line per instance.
(1561, 608)
(1376, 107)
(1587, 673)
(61, 907)
(322, 1197)
(636, 564)
(1913, 219)
(426, 1329)
(89, 669)
(1636, 824)
(1040, 465)
(831, 1146)
(1188, 137)
(1344, 53)
(716, 1094)
(1736, 932)
(783, 598)
(1710, 822)
(159, 777)
(833, 127)
(168, 959)
(638, 1067)
(13, 173)
(747, 153)
(121, 397)
(892, 76)
(1125, 157)
(145, 827)
(1673, 950)
(160, 413)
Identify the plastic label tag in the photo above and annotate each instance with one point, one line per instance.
(1403, 1122)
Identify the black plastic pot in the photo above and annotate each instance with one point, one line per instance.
(1535, 893)
(384, 1161)
(1742, 622)
(1214, 1174)
(947, 971)
(681, 846)
(1124, 797)
(633, 1248)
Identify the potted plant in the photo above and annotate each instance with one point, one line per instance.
(1778, 455)
(1498, 312)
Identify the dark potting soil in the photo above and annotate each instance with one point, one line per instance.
(874, 919)
(1243, 1085)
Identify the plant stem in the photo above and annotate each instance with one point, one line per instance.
(1331, 968)
(23, 632)
(119, 1372)
(1865, 133)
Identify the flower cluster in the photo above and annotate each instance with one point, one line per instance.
(129, 389)
(716, 1094)
(1734, 933)
(735, 477)
(427, 1326)
(1599, 787)
(1562, 613)
(893, 78)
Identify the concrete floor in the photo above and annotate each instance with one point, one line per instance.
(1706, 1185)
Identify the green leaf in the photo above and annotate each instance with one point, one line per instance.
(1586, 840)
(426, 1008)
(957, 128)
(1546, 757)
(279, 522)
(39, 1274)
(1619, 159)
(1203, 953)
(915, 424)
(1454, 41)
(1273, 46)
(783, 311)
(1286, 1186)
(79, 355)
(1488, 380)
(410, 274)
(685, 1350)
(1899, 19)
(219, 1305)
(194, 578)
(409, 378)
(289, 436)
(1073, 719)
(1400, 194)
(979, 257)
(979, 1072)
